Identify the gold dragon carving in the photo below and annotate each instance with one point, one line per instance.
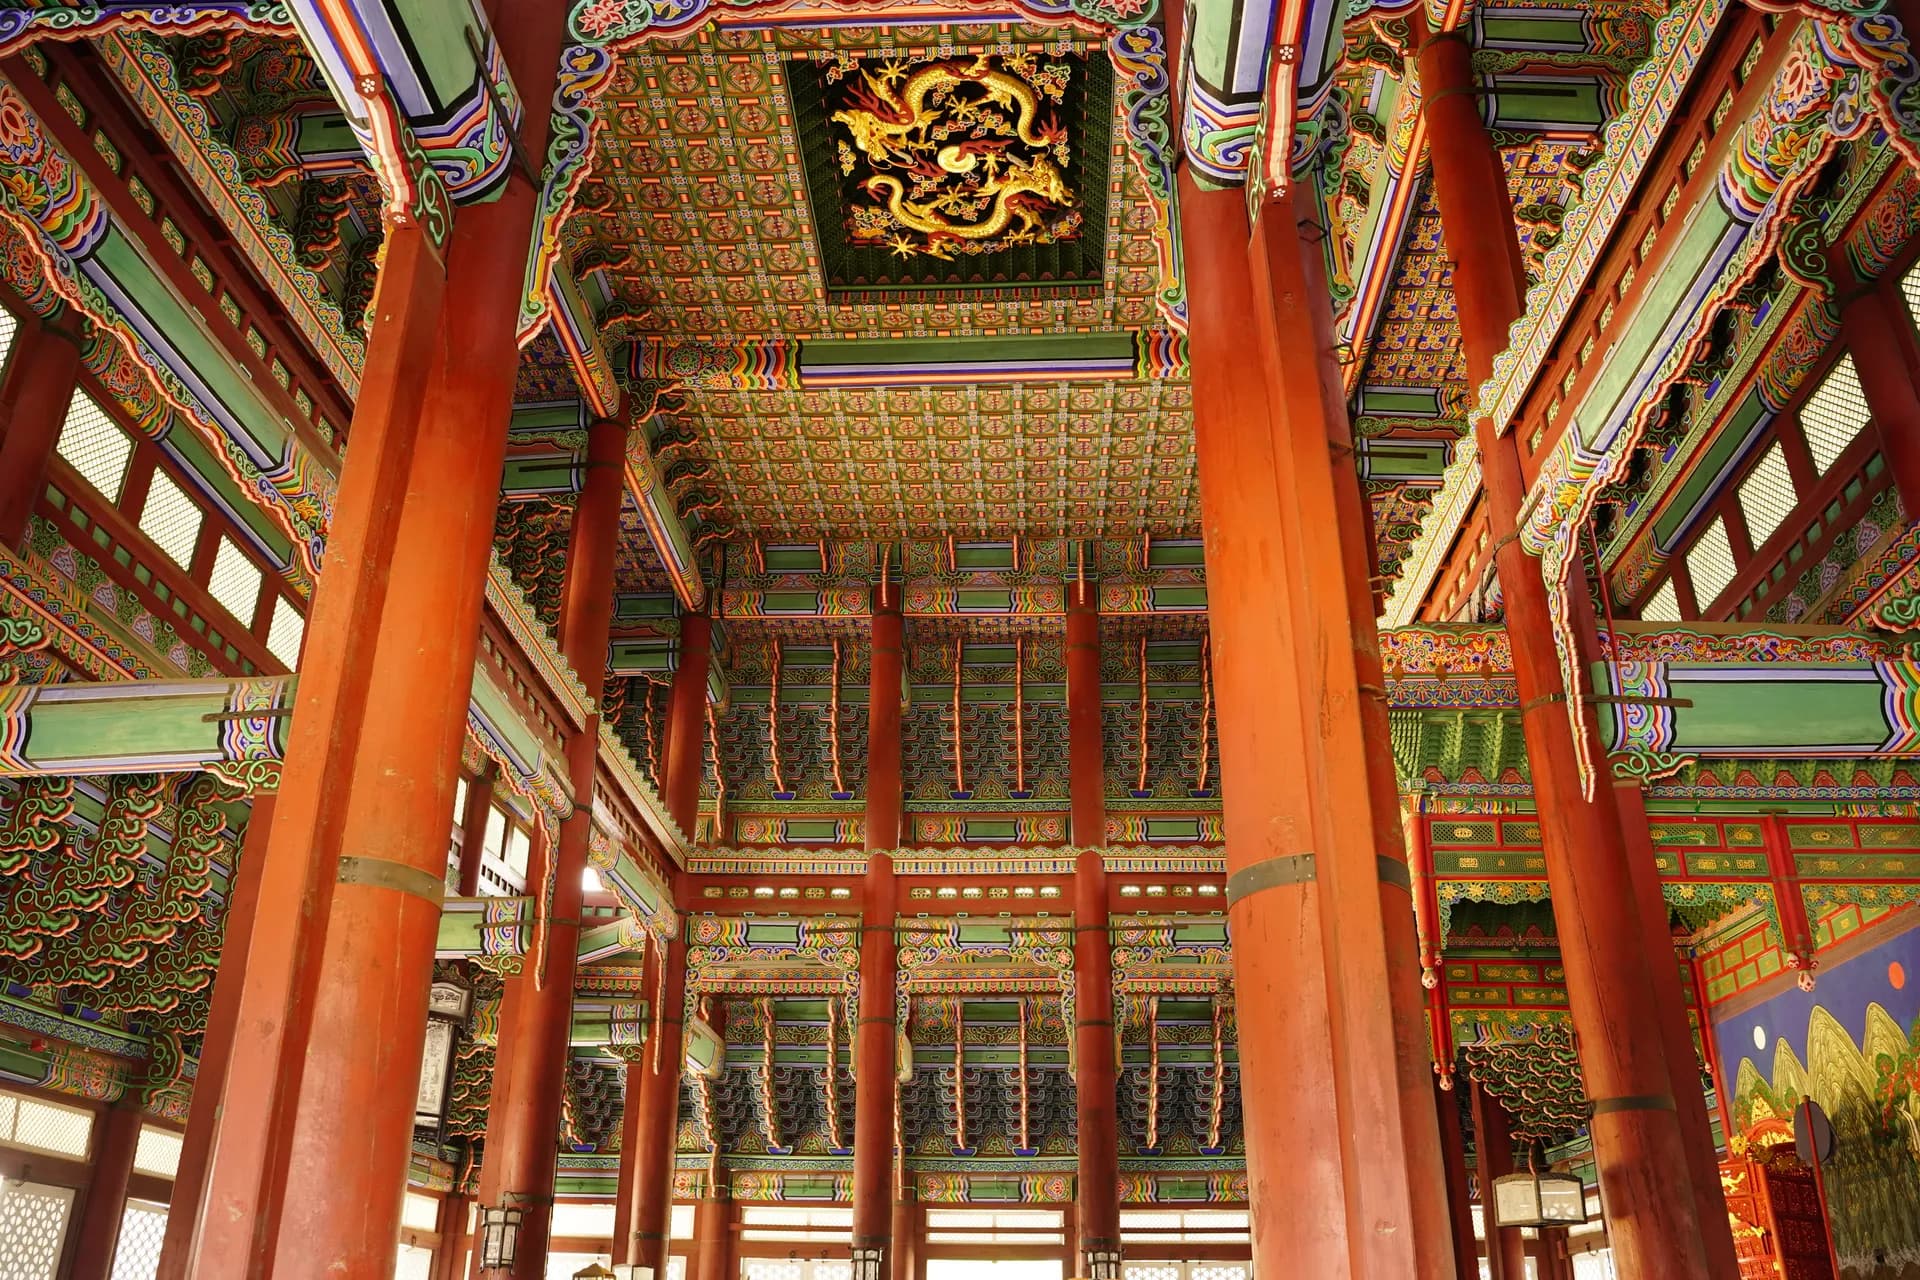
(976, 159)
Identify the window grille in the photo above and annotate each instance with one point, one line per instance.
(1834, 415)
(235, 581)
(285, 632)
(157, 1152)
(33, 1229)
(1153, 1271)
(45, 1126)
(1766, 495)
(143, 1228)
(1710, 564)
(1662, 606)
(1218, 1271)
(1910, 287)
(171, 519)
(92, 444)
(8, 328)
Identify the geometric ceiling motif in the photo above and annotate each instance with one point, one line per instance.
(1070, 459)
(698, 204)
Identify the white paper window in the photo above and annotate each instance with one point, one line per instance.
(1910, 286)
(171, 519)
(413, 1263)
(422, 1213)
(143, 1229)
(8, 328)
(235, 581)
(679, 1223)
(1766, 495)
(1662, 606)
(1710, 564)
(157, 1152)
(92, 444)
(45, 1126)
(285, 632)
(33, 1229)
(1834, 415)
(591, 1220)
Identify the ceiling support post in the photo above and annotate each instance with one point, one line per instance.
(1654, 1225)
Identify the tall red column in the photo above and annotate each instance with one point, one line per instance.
(1676, 1034)
(1879, 335)
(874, 1035)
(536, 1015)
(1493, 1158)
(1653, 1226)
(906, 1237)
(713, 1238)
(1098, 1193)
(687, 722)
(1305, 1214)
(1384, 1063)
(627, 1190)
(656, 1091)
(334, 1001)
(42, 370)
(216, 1045)
(1453, 1150)
(96, 1232)
(659, 1125)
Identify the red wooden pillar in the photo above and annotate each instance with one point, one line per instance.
(1453, 1151)
(1300, 1212)
(42, 370)
(96, 1232)
(1879, 334)
(1493, 1158)
(659, 1125)
(216, 1045)
(536, 1017)
(1676, 1034)
(906, 1237)
(1098, 1190)
(450, 1254)
(1637, 1140)
(874, 1035)
(658, 1088)
(626, 1192)
(713, 1238)
(687, 722)
(332, 1019)
(1381, 1047)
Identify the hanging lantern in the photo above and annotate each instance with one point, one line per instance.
(628, 1271)
(499, 1236)
(1103, 1264)
(593, 1271)
(867, 1261)
(1539, 1200)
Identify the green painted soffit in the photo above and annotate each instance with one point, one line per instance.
(1703, 238)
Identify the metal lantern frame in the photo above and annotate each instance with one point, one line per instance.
(867, 1261)
(1544, 1193)
(1103, 1264)
(500, 1236)
(632, 1271)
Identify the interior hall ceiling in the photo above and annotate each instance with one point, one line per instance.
(758, 188)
